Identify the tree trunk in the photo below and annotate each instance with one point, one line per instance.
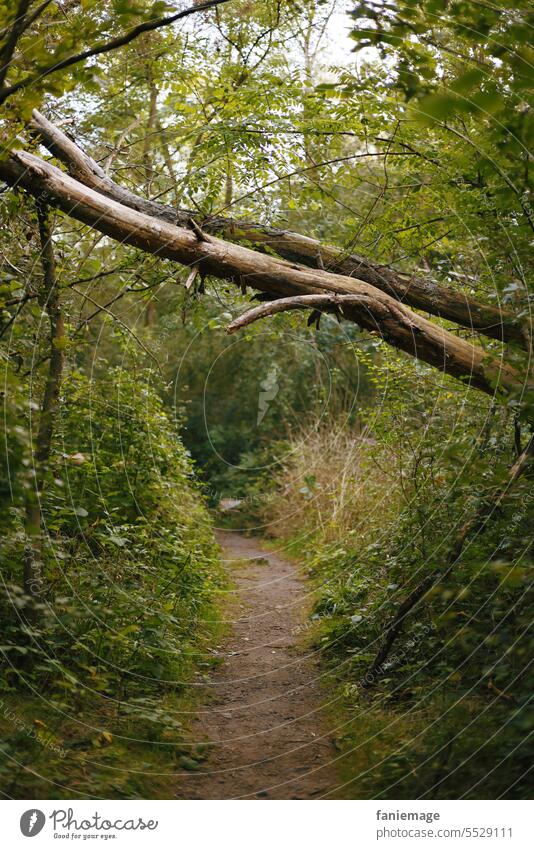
(49, 300)
(426, 295)
(376, 311)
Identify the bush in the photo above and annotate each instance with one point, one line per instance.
(374, 511)
(130, 562)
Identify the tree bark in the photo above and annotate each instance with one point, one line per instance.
(49, 300)
(426, 295)
(376, 311)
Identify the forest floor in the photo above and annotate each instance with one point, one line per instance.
(260, 712)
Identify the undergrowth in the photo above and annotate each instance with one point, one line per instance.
(372, 512)
(96, 696)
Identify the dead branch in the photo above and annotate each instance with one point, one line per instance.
(413, 291)
(374, 310)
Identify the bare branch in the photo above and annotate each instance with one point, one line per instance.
(423, 294)
(374, 310)
(329, 303)
(191, 277)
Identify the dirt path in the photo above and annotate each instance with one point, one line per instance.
(262, 707)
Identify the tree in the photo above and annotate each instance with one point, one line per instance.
(374, 309)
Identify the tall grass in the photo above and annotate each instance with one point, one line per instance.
(370, 515)
(337, 483)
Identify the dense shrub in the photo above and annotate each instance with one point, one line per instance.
(130, 562)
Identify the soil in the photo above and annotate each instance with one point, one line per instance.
(260, 715)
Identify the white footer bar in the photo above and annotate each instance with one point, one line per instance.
(266, 824)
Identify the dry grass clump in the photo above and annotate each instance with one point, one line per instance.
(335, 481)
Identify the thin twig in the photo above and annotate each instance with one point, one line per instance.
(119, 321)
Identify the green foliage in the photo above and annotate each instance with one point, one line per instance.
(416, 156)
(129, 561)
(219, 382)
(14, 450)
(121, 484)
(466, 70)
(458, 672)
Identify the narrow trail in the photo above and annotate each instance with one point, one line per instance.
(261, 713)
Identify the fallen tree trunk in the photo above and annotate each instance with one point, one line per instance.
(425, 295)
(375, 310)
